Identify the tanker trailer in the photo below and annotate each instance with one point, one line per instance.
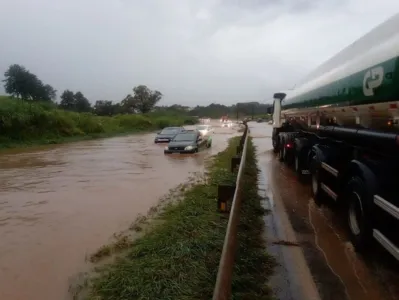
(339, 130)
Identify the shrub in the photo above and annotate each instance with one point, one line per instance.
(22, 121)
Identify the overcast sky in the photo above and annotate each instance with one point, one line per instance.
(193, 51)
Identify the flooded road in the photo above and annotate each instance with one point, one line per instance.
(338, 271)
(59, 203)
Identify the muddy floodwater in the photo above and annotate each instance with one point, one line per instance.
(60, 203)
(339, 272)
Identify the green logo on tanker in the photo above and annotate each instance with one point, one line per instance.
(372, 79)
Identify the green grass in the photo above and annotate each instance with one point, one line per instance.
(24, 124)
(178, 257)
(253, 264)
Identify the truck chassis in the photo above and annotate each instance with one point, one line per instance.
(356, 169)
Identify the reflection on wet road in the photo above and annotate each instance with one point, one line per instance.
(59, 203)
(339, 272)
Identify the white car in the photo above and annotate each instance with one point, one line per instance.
(205, 129)
(227, 124)
(205, 120)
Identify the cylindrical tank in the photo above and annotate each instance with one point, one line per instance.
(366, 72)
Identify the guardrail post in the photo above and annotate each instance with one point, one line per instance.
(235, 162)
(225, 196)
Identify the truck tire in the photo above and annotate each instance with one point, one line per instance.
(319, 196)
(275, 145)
(289, 153)
(298, 166)
(275, 141)
(281, 149)
(300, 158)
(358, 214)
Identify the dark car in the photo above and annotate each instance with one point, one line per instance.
(167, 134)
(189, 141)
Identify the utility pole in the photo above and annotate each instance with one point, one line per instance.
(253, 108)
(237, 110)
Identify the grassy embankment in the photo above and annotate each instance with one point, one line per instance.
(261, 116)
(178, 252)
(24, 124)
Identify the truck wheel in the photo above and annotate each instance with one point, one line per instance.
(289, 153)
(281, 151)
(298, 166)
(275, 145)
(275, 141)
(358, 214)
(285, 154)
(317, 193)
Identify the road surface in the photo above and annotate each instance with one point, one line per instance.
(339, 272)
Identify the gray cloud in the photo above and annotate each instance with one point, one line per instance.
(195, 52)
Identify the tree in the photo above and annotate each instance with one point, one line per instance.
(104, 108)
(43, 92)
(82, 104)
(128, 104)
(21, 83)
(67, 100)
(143, 100)
(74, 102)
(13, 80)
(51, 93)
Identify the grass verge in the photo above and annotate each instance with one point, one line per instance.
(178, 257)
(253, 265)
(25, 124)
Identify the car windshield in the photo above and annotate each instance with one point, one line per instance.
(202, 127)
(169, 131)
(185, 137)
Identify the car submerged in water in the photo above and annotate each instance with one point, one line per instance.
(205, 129)
(167, 134)
(188, 141)
(227, 124)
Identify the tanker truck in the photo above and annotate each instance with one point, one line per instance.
(339, 131)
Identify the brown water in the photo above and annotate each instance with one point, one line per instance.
(59, 203)
(339, 272)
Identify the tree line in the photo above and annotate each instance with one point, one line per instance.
(216, 110)
(20, 83)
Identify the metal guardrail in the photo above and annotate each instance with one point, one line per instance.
(222, 290)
